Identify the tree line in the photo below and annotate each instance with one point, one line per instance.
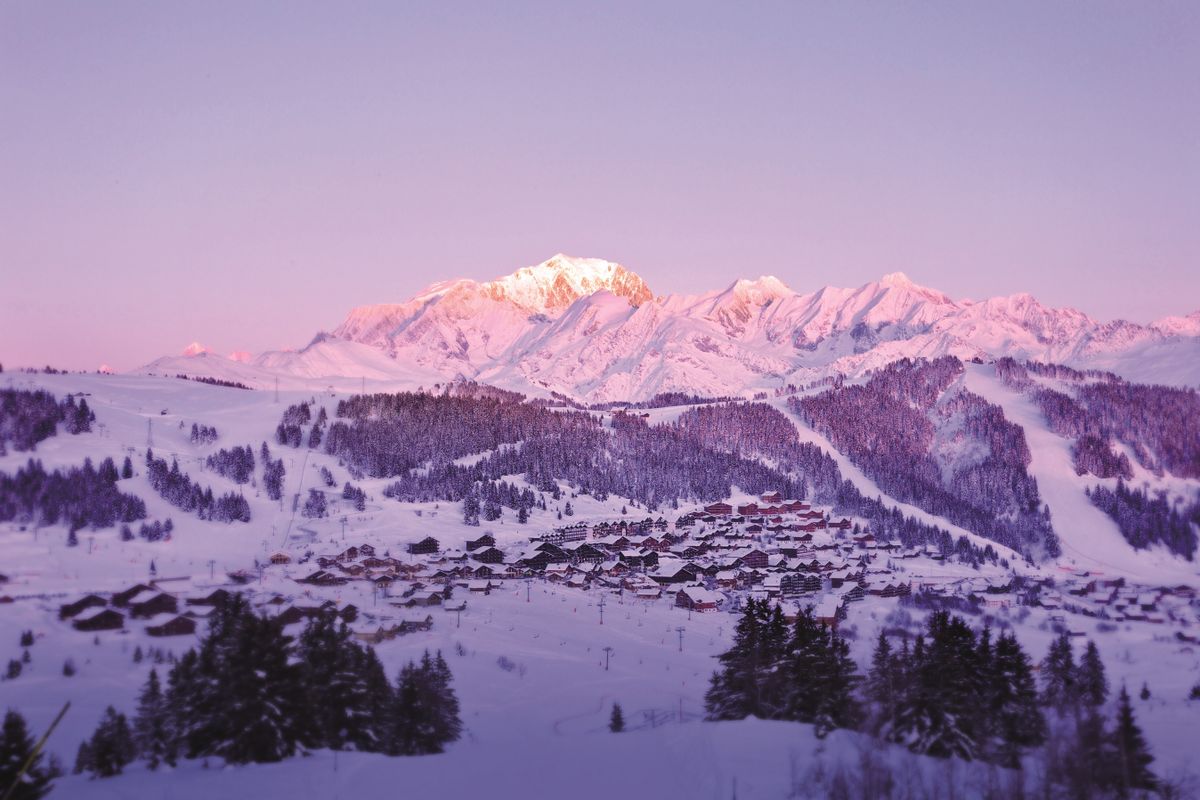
(78, 497)
(952, 693)
(178, 489)
(248, 693)
(30, 416)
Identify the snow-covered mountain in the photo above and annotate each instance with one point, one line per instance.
(593, 329)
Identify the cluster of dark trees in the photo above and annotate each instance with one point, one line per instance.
(250, 694)
(491, 496)
(315, 506)
(290, 432)
(17, 750)
(237, 463)
(203, 434)
(953, 693)
(213, 381)
(1159, 424)
(356, 495)
(663, 400)
(1147, 518)
(273, 473)
(760, 430)
(804, 673)
(155, 531)
(177, 488)
(27, 417)
(889, 427)
(79, 497)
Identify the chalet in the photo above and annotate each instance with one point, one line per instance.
(553, 552)
(414, 625)
(423, 597)
(890, 589)
(323, 578)
(294, 614)
(487, 540)
(486, 571)
(771, 497)
(280, 558)
(748, 509)
(844, 525)
(719, 510)
(586, 552)
(426, 546)
(538, 561)
(793, 584)
(142, 607)
(480, 587)
(178, 626)
(82, 604)
(211, 599)
(488, 555)
(697, 598)
(674, 573)
(103, 619)
(648, 593)
(121, 599)
(754, 559)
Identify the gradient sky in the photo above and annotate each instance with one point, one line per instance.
(244, 173)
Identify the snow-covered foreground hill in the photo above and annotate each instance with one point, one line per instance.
(593, 330)
(538, 727)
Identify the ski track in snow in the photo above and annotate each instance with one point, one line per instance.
(1090, 539)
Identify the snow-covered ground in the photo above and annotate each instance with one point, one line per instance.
(537, 730)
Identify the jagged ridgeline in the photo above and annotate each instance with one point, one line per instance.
(926, 440)
(445, 446)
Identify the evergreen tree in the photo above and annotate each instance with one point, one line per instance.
(111, 746)
(1013, 710)
(16, 747)
(336, 701)
(127, 469)
(83, 758)
(1059, 674)
(616, 722)
(882, 687)
(1132, 754)
(152, 725)
(939, 713)
(1091, 681)
(733, 691)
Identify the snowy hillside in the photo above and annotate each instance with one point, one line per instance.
(593, 330)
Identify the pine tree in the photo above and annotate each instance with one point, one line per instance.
(1092, 683)
(447, 724)
(1132, 754)
(127, 468)
(939, 712)
(1059, 674)
(616, 722)
(16, 747)
(83, 758)
(151, 726)
(1015, 715)
(733, 691)
(112, 745)
(335, 701)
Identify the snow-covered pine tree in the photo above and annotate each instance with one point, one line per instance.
(616, 721)
(152, 725)
(16, 746)
(1091, 680)
(1059, 674)
(1017, 723)
(111, 747)
(1131, 753)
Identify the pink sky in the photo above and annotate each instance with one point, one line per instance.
(243, 174)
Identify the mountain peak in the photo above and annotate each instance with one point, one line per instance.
(562, 279)
(897, 279)
(195, 349)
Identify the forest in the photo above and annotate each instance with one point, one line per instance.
(248, 693)
(941, 448)
(952, 692)
(78, 497)
(28, 417)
